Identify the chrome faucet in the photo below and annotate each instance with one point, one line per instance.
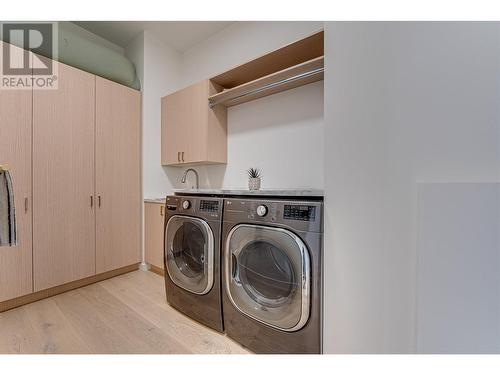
(183, 179)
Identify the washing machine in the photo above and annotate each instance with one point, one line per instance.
(192, 257)
(272, 274)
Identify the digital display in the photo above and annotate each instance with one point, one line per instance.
(298, 212)
(209, 206)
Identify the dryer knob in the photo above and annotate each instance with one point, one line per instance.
(262, 210)
(186, 204)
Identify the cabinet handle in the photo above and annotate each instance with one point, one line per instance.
(91, 201)
(99, 200)
(183, 156)
(179, 156)
(161, 210)
(25, 204)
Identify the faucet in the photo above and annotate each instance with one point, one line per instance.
(183, 179)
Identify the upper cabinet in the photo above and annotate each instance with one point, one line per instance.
(191, 131)
(194, 120)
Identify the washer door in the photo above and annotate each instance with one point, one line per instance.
(189, 250)
(267, 275)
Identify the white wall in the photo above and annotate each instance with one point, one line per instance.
(280, 134)
(239, 43)
(268, 133)
(404, 103)
(160, 75)
(458, 278)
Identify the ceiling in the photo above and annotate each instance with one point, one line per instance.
(180, 35)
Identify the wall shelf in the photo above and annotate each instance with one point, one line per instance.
(299, 75)
(294, 65)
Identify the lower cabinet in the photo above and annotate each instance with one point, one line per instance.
(154, 218)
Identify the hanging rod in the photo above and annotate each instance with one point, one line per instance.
(269, 86)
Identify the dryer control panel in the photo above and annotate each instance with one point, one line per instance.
(209, 205)
(300, 215)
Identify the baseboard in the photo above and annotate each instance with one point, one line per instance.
(33, 297)
(144, 266)
(157, 270)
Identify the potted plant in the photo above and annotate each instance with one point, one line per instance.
(254, 179)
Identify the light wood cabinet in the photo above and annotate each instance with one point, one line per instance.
(63, 180)
(154, 219)
(15, 152)
(193, 133)
(74, 154)
(118, 175)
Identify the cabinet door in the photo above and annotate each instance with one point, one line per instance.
(184, 125)
(118, 175)
(173, 107)
(15, 152)
(154, 216)
(196, 131)
(63, 180)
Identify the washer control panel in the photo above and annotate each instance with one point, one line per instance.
(299, 212)
(208, 208)
(261, 210)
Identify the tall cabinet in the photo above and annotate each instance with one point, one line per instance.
(74, 154)
(118, 178)
(15, 154)
(63, 180)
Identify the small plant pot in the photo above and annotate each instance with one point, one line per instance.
(254, 183)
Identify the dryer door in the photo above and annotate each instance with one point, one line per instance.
(267, 275)
(189, 251)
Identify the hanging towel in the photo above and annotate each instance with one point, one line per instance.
(7, 210)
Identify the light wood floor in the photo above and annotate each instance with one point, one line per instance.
(125, 314)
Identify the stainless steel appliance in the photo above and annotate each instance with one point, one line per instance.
(192, 257)
(272, 272)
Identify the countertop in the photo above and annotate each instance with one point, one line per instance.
(311, 193)
(154, 200)
(265, 192)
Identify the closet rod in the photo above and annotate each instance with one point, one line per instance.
(269, 86)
